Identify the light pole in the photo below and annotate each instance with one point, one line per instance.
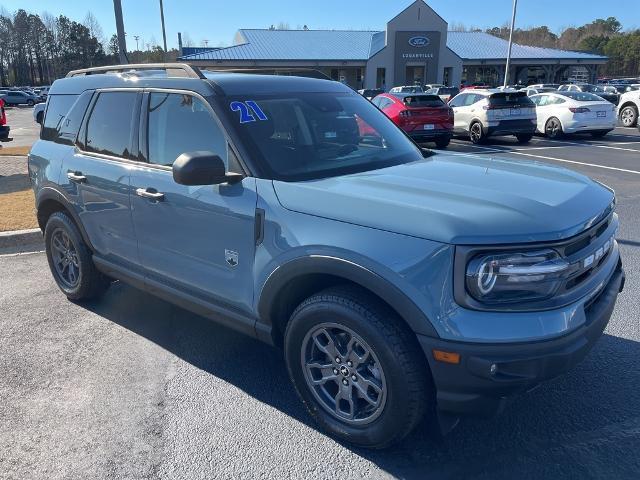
(513, 22)
(164, 35)
(122, 43)
(137, 37)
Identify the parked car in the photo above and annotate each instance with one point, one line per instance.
(370, 93)
(475, 86)
(480, 114)
(395, 285)
(18, 97)
(445, 93)
(573, 112)
(534, 91)
(407, 89)
(554, 86)
(425, 118)
(628, 108)
(608, 93)
(38, 112)
(432, 85)
(4, 128)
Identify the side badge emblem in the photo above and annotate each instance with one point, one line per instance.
(231, 257)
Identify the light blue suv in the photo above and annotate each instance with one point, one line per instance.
(292, 210)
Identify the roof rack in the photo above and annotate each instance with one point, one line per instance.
(286, 71)
(171, 69)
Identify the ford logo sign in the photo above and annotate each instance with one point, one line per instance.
(419, 41)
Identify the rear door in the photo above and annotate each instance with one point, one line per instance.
(96, 175)
(198, 240)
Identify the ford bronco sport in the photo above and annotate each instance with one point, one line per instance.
(292, 210)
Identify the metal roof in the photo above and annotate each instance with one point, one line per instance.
(358, 45)
(483, 46)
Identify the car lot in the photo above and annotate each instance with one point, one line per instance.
(24, 131)
(133, 387)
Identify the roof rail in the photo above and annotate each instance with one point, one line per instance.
(286, 71)
(172, 69)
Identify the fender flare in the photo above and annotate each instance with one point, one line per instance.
(353, 272)
(47, 194)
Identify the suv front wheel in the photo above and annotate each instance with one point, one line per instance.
(357, 368)
(70, 260)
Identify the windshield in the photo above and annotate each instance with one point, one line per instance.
(303, 136)
(582, 96)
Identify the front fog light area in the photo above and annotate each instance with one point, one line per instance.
(515, 277)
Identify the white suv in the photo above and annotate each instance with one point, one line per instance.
(483, 113)
(628, 108)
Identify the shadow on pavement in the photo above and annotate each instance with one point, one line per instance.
(585, 424)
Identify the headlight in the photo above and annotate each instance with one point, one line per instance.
(515, 277)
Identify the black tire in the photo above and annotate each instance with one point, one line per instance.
(524, 137)
(599, 133)
(442, 142)
(30, 103)
(89, 282)
(476, 134)
(629, 116)
(406, 389)
(553, 128)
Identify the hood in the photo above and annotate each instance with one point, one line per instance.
(457, 199)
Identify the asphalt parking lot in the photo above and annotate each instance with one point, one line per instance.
(24, 131)
(132, 387)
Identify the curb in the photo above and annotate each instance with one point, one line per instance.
(17, 238)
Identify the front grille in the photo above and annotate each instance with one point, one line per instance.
(581, 248)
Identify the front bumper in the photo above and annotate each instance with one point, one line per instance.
(510, 127)
(470, 387)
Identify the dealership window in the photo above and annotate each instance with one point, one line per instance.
(446, 76)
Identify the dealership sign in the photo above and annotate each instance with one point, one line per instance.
(419, 41)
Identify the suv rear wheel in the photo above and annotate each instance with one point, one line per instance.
(357, 367)
(442, 142)
(70, 260)
(476, 135)
(524, 137)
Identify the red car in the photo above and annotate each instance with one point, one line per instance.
(424, 117)
(4, 128)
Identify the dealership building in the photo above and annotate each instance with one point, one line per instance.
(416, 48)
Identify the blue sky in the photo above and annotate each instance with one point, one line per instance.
(217, 21)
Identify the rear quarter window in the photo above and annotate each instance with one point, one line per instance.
(57, 108)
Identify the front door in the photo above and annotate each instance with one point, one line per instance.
(195, 239)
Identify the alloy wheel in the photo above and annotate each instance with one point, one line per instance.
(343, 373)
(476, 132)
(627, 117)
(552, 128)
(65, 258)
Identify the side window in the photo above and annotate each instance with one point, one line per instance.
(109, 127)
(459, 100)
(471, 99)
(57, 108)
(180, 123)
(377, 101)
(558, 100)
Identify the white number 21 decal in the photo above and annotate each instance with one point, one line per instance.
(246, 109)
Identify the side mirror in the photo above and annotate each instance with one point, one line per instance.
(202, 168)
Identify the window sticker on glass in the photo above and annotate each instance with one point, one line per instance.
(249, 110)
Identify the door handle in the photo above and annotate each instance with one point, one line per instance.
(150, 193)
(76, 177)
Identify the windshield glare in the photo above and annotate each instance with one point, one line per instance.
(303, 136)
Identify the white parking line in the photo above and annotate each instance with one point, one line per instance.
(575, 162)
(19, 254)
